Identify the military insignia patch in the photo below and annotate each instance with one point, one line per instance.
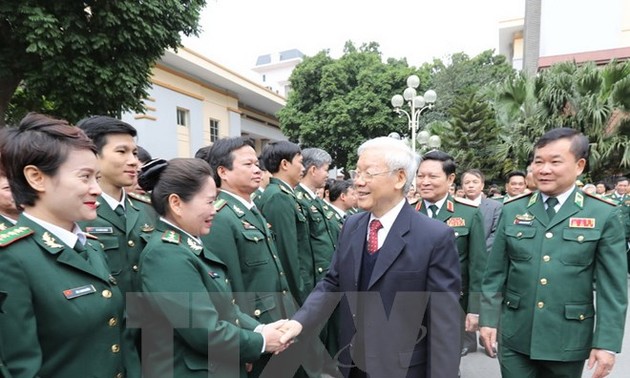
(79, 291)
(299, 195)
(219, 204)
(50, 241)
(100, 230)
(3, 227)
(450, 206)
(213, 274)
(238, 210)
(329, 214)
(248, 226)
(171, 237)
(524, 219)
(313, 209)
(582, 222)
(147, 228)
(140, 197)
(533, 199)
(193, 245)
(579, 199)
(13, 234)
(456, 222)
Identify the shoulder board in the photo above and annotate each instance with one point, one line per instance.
(219, 204)
(170, 236)
(140, 197)
(603, 199)
(465, 201)
(90, 236)
(524, 195)
(13, 234)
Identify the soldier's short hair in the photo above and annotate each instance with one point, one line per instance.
(98, 128)
(448, 163)
(579, 142)
(220, 154)
(338, 188)
(275, 152)
(315, 157)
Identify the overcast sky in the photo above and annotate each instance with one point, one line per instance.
(236, 32)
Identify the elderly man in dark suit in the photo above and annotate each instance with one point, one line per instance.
(397, 274)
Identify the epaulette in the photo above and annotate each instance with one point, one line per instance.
(519, 197)
(170, 236)
(140, 197)
(219, 204)
(603, 199)
(90, 236)
(465, 201)
(13, 234)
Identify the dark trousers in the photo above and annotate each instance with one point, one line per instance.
(518, 365)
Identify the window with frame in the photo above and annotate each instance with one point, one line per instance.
(214, 130)
(183, 117)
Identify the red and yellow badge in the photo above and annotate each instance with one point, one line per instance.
(450, 207)
(582, 222)
(456, 222)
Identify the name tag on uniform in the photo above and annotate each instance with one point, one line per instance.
(79, 291)
(100, 230)
(582, 222)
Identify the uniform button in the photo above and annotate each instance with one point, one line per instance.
(543, 281)
(580, 238)
(546, 258)
(233, 301)
(131, 243)
(120, 375)
(135, 268)
(256, 312)
(320, 269)
(354, 315)
(507, 303)
(284, 292)
(581, 316)
(113, 322)
(456, 234)
(540, 304)
(275, 257)
(519, 234)
(282, 273)
(227, 281)
(106, 294)
(238, 323)
(549, 235)
(256, 238)
(115, 348)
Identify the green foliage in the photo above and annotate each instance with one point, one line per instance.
(72, 59)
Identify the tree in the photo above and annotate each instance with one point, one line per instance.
(75, 58)
(336, 104)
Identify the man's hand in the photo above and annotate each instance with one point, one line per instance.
(604, 361)
(272, 338)
(472, 322)
(489, 337)
(290, 330)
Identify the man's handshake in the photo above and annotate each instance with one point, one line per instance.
(280, 334)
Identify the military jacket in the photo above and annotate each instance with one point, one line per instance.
(63, 314)
(192, 294)
(538, 286)
(244, 242)
(320, 224)
(624, 203)
(289, 225)
(466, 221)
(123, 240)
(5, 223)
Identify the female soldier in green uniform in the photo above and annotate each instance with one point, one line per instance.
(63, 313)
(188, 285)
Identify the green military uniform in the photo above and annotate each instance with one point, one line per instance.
(123, 238)
(4, 370)
(256, 194)
(242, 239)
(467, 222)
(337, 223)
(289, 224)
(63, 314)
(624, 203)
(5, 223)
(212, 337)
(538, 283)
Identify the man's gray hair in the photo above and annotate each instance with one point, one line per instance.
(315, 157)
(397, 155)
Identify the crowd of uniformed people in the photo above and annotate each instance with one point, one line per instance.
(191, 267)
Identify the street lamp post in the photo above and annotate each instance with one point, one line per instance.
(417, 105)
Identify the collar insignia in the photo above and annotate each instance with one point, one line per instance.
(50, 241)
(532, 199)
(193, 245)
(449, 206)
(582, 222)
(238, 210)
(147, 228)
(579, 199)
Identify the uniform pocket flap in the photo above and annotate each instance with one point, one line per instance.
(520, 232)
(253, 235)
(581, 235)
(512, 300)
(108, 243)
(264, 304)
(579, 311)
(461, 231)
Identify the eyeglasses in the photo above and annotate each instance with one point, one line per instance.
(367, 176)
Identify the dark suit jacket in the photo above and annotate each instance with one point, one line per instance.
(490, 210)
(398, 336)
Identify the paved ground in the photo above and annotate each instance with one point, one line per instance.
(478, 365)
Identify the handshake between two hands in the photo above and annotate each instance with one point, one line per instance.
(280, 334)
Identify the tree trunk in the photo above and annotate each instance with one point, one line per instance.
(8, 85)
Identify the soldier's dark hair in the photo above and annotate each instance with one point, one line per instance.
(337, 188)
(275, 152)
(42, 141)
(202, 153)
(181, 176)
(514, 174)
(98, 128)
(261, 164)
(475, 172)
(143, 155)
(579, 142)
(220, 154)
(620, 179)
(448, 163)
